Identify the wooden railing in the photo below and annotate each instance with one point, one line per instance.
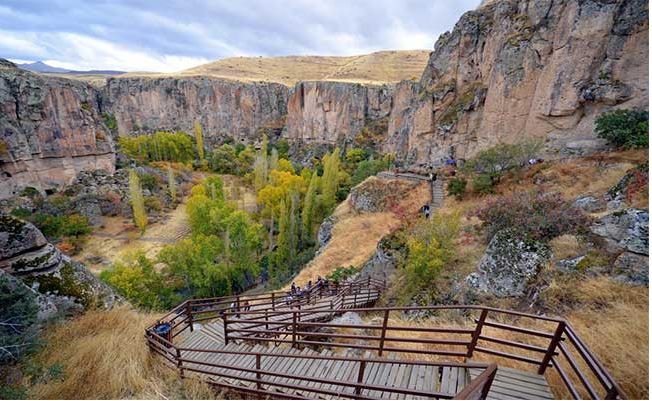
(495, 333)
(540, 349)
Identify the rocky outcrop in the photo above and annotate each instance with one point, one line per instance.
(508, 265)
(50, 129)
(66, 286)
(626, 230)
(226, 109)
(523, 68)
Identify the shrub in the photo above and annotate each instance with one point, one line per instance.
(148, 181)
(457, 187)
(483, 184)
(75, 225)
(367, 168)
(224, 160)
(153, 204)
(342, 273)
(624, 128)
(540, 217)
(18, 309)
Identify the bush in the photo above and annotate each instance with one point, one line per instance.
(18, 309)
(624, 128)
(367, 168)
(483, 184)
(148, 181)
(342, 273)
(540, 217)
(153, 204)
(457, 187)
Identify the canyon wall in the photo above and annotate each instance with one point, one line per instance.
(508, 71)
(50, 129)
(226, 109)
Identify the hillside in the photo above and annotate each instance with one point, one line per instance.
(375, 68)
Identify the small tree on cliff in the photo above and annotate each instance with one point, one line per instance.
(137, 201)
(199, 140)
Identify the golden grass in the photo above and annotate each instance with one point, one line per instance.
(355, 236)
(105, 356)
(375, 68)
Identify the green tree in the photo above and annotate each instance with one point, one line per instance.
(224, 160)
(136, 279)
(624, 128)
(199, 140)
(18, 310)
(137, 201)
(160, 146)
(329, 181)
(308, 211)
(457, 187)
(261, 166)
(172, 184)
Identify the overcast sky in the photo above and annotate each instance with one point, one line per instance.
(166, 36)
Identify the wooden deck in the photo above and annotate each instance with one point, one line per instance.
(512, 384)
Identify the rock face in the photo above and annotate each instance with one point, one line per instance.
(508, 265)
(50, 129)
(625, 230)
(65, 286)
(507, 71)
(528, 68)
(226, 109)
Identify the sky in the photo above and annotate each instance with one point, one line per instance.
(168, 36)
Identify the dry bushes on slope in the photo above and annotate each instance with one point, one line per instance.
(104, 356)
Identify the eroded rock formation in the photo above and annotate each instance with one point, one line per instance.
(507, 71)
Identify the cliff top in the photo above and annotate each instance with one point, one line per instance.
(375, 68)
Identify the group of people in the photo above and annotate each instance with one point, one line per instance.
(297, 293)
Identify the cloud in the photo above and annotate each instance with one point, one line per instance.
(140, 35)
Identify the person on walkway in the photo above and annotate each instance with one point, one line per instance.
(246, 306)
(293, 289)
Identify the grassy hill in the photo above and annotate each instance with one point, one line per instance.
(375, 68)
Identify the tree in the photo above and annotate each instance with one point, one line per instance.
(172, 184)
(243, 245)
(624, 128)
(18, 310)
(457, 187)
(261, 166)
(273, 160)
(199, 140)
(307, 213)
(329, 181)
(224, 160)
(137, 201)
(136, 279)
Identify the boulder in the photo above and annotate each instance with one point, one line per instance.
(624, 230)
(589, 204)
(508, 265)
(325, 232)
(632, 268)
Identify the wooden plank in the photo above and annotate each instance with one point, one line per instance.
(420, 381)
(461, 379)
(445, 376)
(303, 368)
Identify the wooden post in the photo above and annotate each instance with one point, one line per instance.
(179, 365)
(294, 329)
(332, 312)
(273, 301)
(226, 333)
(266, 320)
(189, 313)
(258, 384)
(358, 389)
(381, 345)
(612, 393)
(476, 333)
(237, 303)
(552, 347)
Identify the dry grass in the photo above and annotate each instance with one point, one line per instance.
(375, 68)
(355, 236)
(105, 356)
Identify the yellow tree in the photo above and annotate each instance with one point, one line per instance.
(199, 140)
(308, 206)
(137, 201)
(330, 181)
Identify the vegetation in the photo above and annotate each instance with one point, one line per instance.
(457, 187)
(160, 146)
(199, 140)
(137, 201)
(18, 311)
(627, 129)
(226, 159)
(430, 246)
(172, 184)
(342, 273)
(538, 216)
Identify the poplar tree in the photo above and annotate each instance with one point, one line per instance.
(172, 184)
(137, 201)
(307, 213)
(199, 140)
(329, 182)
(261, 168)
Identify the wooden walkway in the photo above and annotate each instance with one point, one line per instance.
(406, 376)
(512, 384)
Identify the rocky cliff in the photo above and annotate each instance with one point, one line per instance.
(509, 70)
(226, 109)
(524, 69)
(50, 129)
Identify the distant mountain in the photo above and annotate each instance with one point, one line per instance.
(41, 67)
